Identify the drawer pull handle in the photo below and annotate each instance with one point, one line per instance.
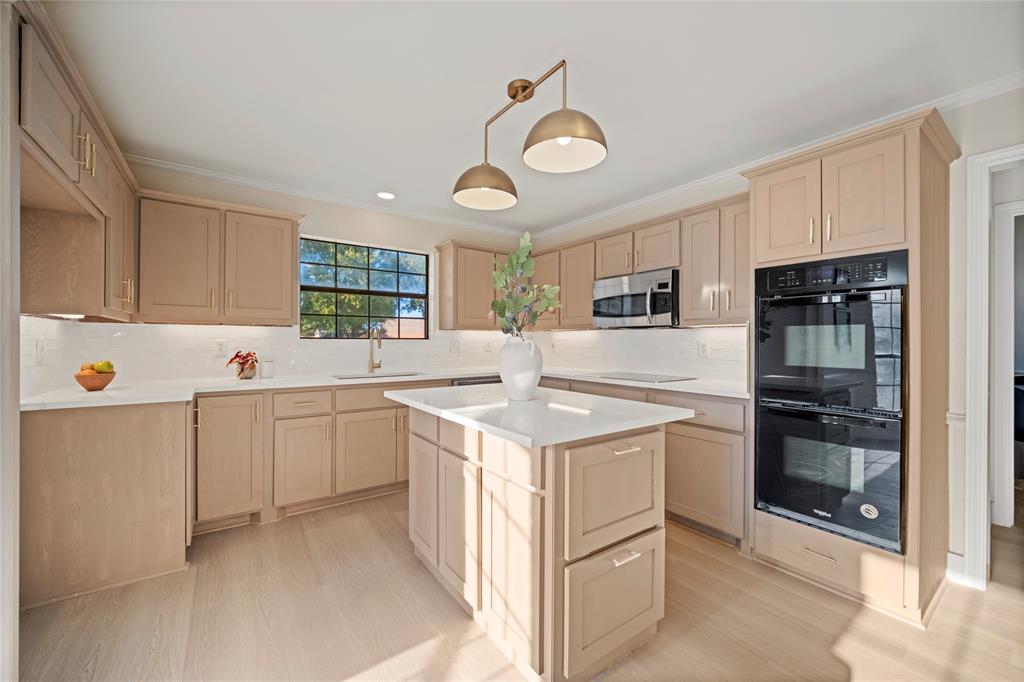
(629, 557)
(627, 451)
(304, 403)
(700, 413)
(820, 555)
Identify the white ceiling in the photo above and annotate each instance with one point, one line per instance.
(343, 100)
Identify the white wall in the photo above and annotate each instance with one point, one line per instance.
(1018, 294)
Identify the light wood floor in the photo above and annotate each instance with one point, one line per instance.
(337, 594)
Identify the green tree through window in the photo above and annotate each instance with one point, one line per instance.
(346, 290)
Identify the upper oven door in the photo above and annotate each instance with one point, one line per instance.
(832, 349)
(648, 299)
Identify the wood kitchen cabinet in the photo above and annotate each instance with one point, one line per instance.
(465, 286)
(577, 282)
(121, 241)
(403, 444)
(97, 177)
(735, 264)
(656, 246)
(229, 455)
(365, 449)
(701, 261)
(260, 282)
(787, 210)
(303, 459)
(546, 271)
(704, 476)
(50, 113)
(614, 256)
(458, 525)
(423, 458)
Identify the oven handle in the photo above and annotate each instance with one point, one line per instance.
(824, 417)
(827, 297)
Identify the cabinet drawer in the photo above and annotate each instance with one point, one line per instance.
(302, 403)
(611, 598)
(851, 566)
(423, 425)
(718, 415)
(460, 440)
(372, 397)
(613, 490)
(610, 391)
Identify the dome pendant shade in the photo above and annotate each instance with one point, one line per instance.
(564, 141)
(485, 188)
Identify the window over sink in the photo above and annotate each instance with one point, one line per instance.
(346, 290)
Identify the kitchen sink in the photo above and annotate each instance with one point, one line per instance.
(377, 375)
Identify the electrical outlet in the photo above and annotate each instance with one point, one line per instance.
(454, 346)
(38, 351)
(703, 351)
(487, 346)
(221, 348)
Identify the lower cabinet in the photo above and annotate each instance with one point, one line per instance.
(365, 449)
(704, 476)
(303, 460)
(403, 444)
(458, 525)
(229, 456)
(423, 458)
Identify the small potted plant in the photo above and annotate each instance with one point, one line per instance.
(245, 362)
(518, 308)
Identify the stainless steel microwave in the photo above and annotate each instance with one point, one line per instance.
(646, 299)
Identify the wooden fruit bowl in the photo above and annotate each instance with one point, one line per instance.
(95, 382)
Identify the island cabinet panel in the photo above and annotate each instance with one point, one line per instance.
(461, 440)
(103, 497)
(259, 268)
(423, 459)
(229, 456)
(403, 445)
(423, 424)
(303, 459)
(577, 282)
(522, 465)
(511, 553)
(366, 449)
(656, 246)
(787, 209)
(458, 526)
(49, 111)
(546, 271)
(613, 489)
(614, 255)
(611, 598)
(704, 476)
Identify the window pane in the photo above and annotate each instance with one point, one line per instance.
(316, 302)
(352, 328)
(413, 329)
(412, 262)
(383, 281)
(317, 275)
(383, 306)
(412, 284)
(412, 307)
(388, 328)
(382, 259)
(316, 327)
(350, 278)
(352, 304)
(354, 256)
(313, 251)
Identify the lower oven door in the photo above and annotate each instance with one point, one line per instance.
(839, 472)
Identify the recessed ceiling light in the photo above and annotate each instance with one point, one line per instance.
(386, 195)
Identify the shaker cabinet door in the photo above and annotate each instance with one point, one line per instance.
(474, 288)
(458, 525)
(577, 295)
(614, 256)
(704, 476)
(303, 460)
(49, 111)
(366, 449)
(259, 268)
(546, 271)
(700, 275)
(229, 456)
(423, 497)
(656, 247)
(787, 212)
(736, 263)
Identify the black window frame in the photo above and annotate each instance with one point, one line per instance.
(367, 291)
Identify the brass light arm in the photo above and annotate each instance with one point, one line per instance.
(521, 90)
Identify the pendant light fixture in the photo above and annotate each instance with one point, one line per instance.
(564, 141)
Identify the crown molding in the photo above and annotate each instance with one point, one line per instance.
(976, 93)
(254, 183)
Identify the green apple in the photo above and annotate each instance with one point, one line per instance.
(103, 367)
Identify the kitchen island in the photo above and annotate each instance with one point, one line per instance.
(544, 519)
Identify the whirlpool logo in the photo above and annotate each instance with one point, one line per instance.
(823, 513)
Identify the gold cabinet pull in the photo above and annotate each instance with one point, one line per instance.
(92, 156)
(327, 432)
(627, 451)
(820, 555)
(131, 290)
(630, 556)
(728, 299)
(197, 417)
(257, 411)
(213, 298)
(126, 290)
(394, 423)
(713, 292)
(231, 299)
(828, 227)
(83, 149)
(810, 232)
(304, 403)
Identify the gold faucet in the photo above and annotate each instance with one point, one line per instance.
(374, 336)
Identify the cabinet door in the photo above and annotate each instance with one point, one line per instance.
(96, 179)
(736, 263)
(546, 272)
(259, 268)
(614, 256)
(365, 450)
(49, 111)
(511, 545)
(474, 288)
(704, 476)
(458, 527)
(700, 275)
(179, 262)
(423, 497)
(116, 288)
(229, 456)
(657, 246)
(862, 196)
(403, 444)
(787, 212)
(577, 295)
(130, 269)
(302, 459)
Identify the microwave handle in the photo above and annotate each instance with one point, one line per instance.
(647, 302)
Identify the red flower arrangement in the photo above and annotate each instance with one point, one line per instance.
(246, 364)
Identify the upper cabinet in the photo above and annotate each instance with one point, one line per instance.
(546, 271)
(465, 286)
(259, 268)
(735, 263)
(700, 275)
(656, 246)
(50, 113)
(614, 256)
(787, 208)
(577, 282)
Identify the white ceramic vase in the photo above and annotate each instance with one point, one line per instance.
(519, 364)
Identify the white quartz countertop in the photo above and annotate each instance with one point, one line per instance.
(552, 417)
(183, 390)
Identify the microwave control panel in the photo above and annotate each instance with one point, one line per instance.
(888, 269)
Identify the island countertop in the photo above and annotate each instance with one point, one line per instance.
(552, 417)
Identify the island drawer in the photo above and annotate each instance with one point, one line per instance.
(302, 403)
(372, 397)
(713, 413)
(611, 598)
(423, 425)
(460, 440)
(613, 489)
(851, 566)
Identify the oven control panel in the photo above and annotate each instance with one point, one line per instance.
(889, 269)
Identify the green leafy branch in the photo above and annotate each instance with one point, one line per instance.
(520, 304)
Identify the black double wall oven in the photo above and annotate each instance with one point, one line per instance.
(829, 395)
